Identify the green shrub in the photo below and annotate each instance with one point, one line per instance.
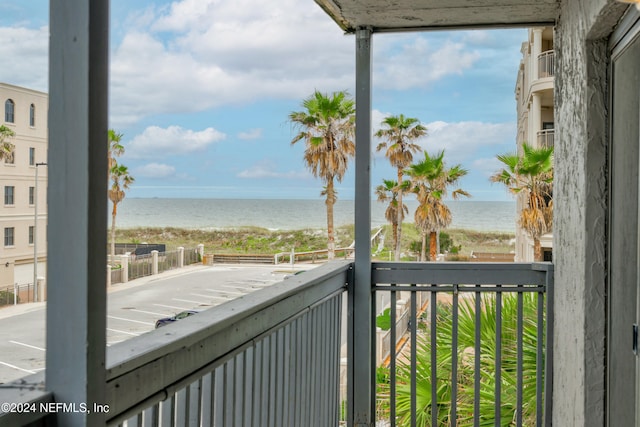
(6, 298)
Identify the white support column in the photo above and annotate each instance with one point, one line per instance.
(180, 257)
(109, 269)
(536, 51)
(201, 251)
(361, 402)
(535, 118)
(77, 214)
(124, 263)
(154, 262)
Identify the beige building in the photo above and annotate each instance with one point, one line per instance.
(25, 112)
(534, 99)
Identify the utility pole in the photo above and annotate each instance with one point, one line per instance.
(35, 236)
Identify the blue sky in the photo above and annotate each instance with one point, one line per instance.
(201, 90)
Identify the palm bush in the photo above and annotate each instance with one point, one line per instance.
(465, 363)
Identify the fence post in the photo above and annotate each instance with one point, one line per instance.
(108, 275)
(124, 265)
(42, 289)
(15, 294)
(201, 251)
(154, 265)
(180, 257)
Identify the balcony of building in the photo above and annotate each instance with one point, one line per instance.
(545, 138)
(291, 354)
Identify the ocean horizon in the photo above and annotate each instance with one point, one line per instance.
(294, 214)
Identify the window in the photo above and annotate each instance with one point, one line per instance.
(32, 156)
(8, 194)
(8, 236)
(9, 107)
(32, 115)
(32, 195)
(31, 234)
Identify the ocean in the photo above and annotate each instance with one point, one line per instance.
(293, 214)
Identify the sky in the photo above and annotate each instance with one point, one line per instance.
(202, 89)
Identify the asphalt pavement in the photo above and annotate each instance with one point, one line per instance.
(132, 308)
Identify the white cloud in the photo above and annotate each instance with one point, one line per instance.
(268, 169)
(250, 134)
(25, 54)
(421, 62)
(462, 140)
(199, 54)
(155, 170)
(156, 142)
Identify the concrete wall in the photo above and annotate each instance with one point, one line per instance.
(580, 197)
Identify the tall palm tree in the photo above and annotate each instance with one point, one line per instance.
(388, 192)
(115, 148)
(431, 180)
(120, 181)
(398, 133)
(531, 174)
(6, 147)
(327, 126)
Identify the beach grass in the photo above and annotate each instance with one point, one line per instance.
(256, 240)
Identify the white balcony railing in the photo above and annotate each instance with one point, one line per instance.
(546, 63)
(545, 138)
(273, 357)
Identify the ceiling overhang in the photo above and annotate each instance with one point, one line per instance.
(418, 15)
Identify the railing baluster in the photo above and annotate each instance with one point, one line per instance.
(498, 355)
(519, 344)
(476, 356)
(434, 361)
(414, 352)
(392, 361)
(207, 402)
(541, 337)
(454, 360)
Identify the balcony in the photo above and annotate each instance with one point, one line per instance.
(545, 138)
(546, 61)
(277, 357)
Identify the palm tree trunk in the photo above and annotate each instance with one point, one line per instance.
(331, 244)
(423, 252)
(537, 250)
(114, 212)
(399, 216)
(395, 233)
(433, 246)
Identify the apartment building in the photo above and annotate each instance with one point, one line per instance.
(534, 99)
(25, 112)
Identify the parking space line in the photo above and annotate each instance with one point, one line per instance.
(27, 345)
(131, 320)
(123, 332)
(172, 306)
(148, 312)
(19, 369)
(209, 296)
(187, 300)
(224, 291)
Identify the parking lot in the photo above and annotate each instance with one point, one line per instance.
(132, 310)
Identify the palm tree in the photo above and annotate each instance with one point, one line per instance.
(6, 147)
(120, 181)
(327, 126)
(398, 133)
(531, 174)
(115, 148)
(388, 192)
(431, 180)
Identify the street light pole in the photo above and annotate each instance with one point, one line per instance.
(35, 236)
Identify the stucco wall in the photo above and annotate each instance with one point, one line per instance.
(580, 196)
